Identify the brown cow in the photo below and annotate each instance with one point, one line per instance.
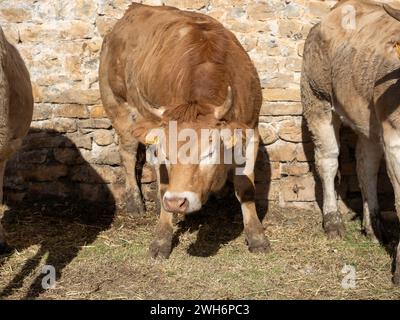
(16, 108)
(159, 65)
(351, 72)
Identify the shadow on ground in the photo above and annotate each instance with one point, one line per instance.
(59, 227)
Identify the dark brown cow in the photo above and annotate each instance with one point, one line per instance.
(16, 108)
(160, 64)
(351, 72)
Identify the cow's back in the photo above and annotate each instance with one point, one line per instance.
(16, 106)
(153, 45)
(360, 50)
(355, 47)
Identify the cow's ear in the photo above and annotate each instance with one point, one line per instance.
(143, 132)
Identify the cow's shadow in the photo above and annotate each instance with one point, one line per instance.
(220, 220)
(56, 230)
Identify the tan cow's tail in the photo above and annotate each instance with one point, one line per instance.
(4, 90)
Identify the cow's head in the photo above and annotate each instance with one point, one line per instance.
(193, 150)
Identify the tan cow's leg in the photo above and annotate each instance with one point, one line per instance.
(123, 120)
(369, 155)
(128, 147)
(245, 193)
(391, 138)
(326, 139)
(123, 123)
(3, 245)
(253, 229)
(162, 244)
(324, 126)
(133, 196)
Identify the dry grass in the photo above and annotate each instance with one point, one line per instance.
(100, 260)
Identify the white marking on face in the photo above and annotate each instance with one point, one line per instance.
(192, 198)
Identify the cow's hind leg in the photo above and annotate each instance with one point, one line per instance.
(391, 138)
(326, 138)
(324, 126)
(369, 155)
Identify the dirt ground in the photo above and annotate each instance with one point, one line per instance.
(98, 255)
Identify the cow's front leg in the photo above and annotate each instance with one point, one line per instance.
(123, 122)
(162, 244)
(133, 197)
(253, 229)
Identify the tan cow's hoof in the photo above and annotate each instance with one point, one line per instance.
(259, 246)
(160, 249)
(371, 236)
(334, 226)
(374, 233)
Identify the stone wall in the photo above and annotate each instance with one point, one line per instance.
(73, 149)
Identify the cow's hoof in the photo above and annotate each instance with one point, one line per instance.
(335, 231)
(5, 249)
(259, 245)
(371, 235)
(160, 249)
(134, 204)
(374, 233)
(334, 226)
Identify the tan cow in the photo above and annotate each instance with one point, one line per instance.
(16, 107)
(160, 65)
(351, 74)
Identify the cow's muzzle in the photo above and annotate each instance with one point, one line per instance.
(181, 202)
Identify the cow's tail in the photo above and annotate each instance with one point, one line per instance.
(4, 89)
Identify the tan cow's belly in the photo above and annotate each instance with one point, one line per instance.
(355, 112)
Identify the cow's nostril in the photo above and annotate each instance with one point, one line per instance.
(183, 203)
